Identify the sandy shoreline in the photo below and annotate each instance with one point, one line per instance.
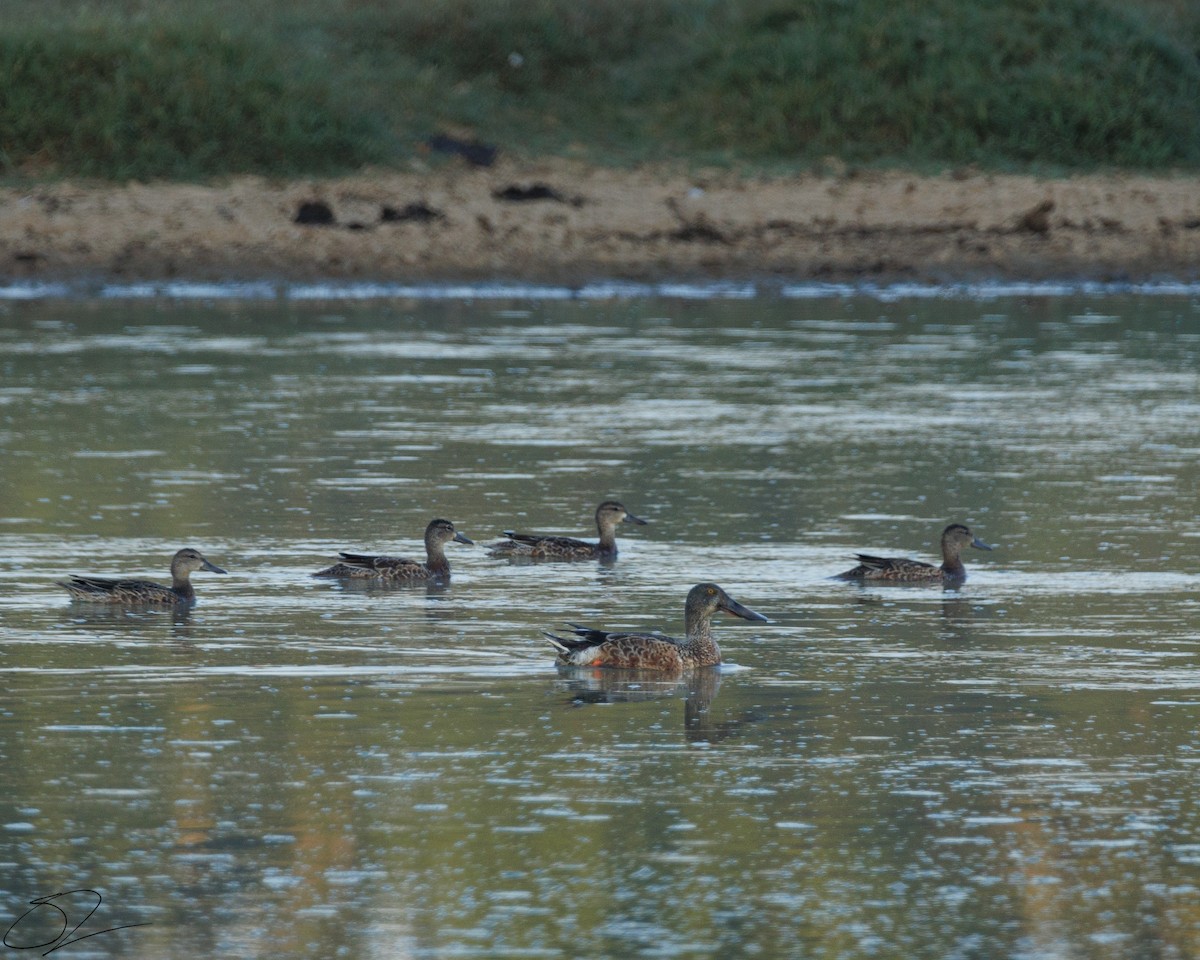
(462, 224)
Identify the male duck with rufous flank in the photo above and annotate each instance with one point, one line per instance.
(655, 651)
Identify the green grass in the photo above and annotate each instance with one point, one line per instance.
(187, 90)
(1068, 83)
(147, 101)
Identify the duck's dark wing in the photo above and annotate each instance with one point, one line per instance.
(535, 545)
(592, 636)
(101, 584)
(388, 564)
(119, 591)
(890, 568)
(587, 637)
(358, 565)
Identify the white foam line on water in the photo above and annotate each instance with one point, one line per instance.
(184, 290)
(597, 290)
(36, 291)
(989, 290)
(388, 291)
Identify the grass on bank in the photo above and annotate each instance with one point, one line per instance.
(149, 89)
(170, 103)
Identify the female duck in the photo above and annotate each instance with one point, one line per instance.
(358, 566)
(655, 651)
(954, 538)
(535, 547)
(103, 590)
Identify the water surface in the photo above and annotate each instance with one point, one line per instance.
(296, 768)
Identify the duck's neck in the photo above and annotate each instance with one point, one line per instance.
(182, 585)
(608, 537)
(435, 559)
(952, 565)
(700, 646)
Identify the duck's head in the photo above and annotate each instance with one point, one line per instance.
(612, 512)
(189, 560)
(705, 599)
(959, 536)
(442, 531)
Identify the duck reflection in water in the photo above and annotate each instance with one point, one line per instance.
(961, 616)
(591, 685)
(434, 589)
(140, 622)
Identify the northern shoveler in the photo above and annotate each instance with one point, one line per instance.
(655, 651)
(954, 538)
(104, 590)
(535, 547)
(358, 566)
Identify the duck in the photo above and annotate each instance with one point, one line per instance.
(954, 538)
(655, 651)
(105, 590)
(537, 547)
(361, 566)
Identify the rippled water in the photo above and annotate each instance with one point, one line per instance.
(296, 768)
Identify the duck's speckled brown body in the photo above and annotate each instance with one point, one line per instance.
(655, 651)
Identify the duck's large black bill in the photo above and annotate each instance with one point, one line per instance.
(980, 545)
(463, 538)
(630, 518)
(729, 605)
(212, 568)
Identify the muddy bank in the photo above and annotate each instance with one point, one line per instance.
(558, 222)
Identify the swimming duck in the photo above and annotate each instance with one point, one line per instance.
(655, 651)
(954, 538)
(104, 590)
(535, 547)
(436, 567)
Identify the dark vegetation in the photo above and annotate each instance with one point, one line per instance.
(145, 89)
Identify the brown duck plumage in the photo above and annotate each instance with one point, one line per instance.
(359, 566)
(655, 651)
(537, 547)
(954, 538)
(104, 590)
